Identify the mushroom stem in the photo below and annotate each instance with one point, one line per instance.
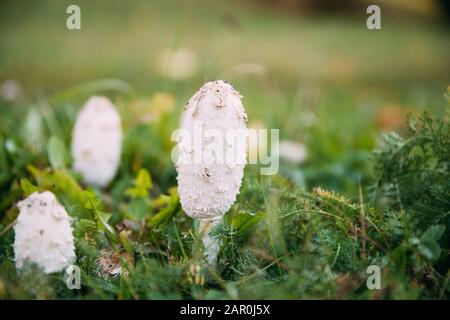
(211, 245)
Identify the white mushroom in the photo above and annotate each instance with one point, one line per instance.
(11, 90)
(293, 152)
(212, 155)
(178, 64)
(43, 233)
(97, 141)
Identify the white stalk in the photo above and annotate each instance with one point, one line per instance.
(210, 245)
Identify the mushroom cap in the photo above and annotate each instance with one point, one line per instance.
(43, 233)
(97, 141)
(208, 188)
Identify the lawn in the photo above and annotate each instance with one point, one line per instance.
(363, 195)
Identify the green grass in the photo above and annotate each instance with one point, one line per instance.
(283, 238)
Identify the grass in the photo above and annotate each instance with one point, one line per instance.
(308, 232)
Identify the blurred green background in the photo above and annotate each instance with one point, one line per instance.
(310, 68)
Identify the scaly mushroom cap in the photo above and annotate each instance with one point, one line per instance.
(209, 188)
(43, 234)
(97, 141)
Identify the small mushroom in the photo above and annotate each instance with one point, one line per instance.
(97, 141)
(44, 239)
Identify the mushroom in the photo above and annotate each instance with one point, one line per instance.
(212, 157)
(43, 234)
(97, 141)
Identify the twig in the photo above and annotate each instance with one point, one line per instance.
(363, 222)
(268, 257)
(180, 243)
(258, 272)
(6, 229)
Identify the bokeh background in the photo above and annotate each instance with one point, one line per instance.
(310, 68)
